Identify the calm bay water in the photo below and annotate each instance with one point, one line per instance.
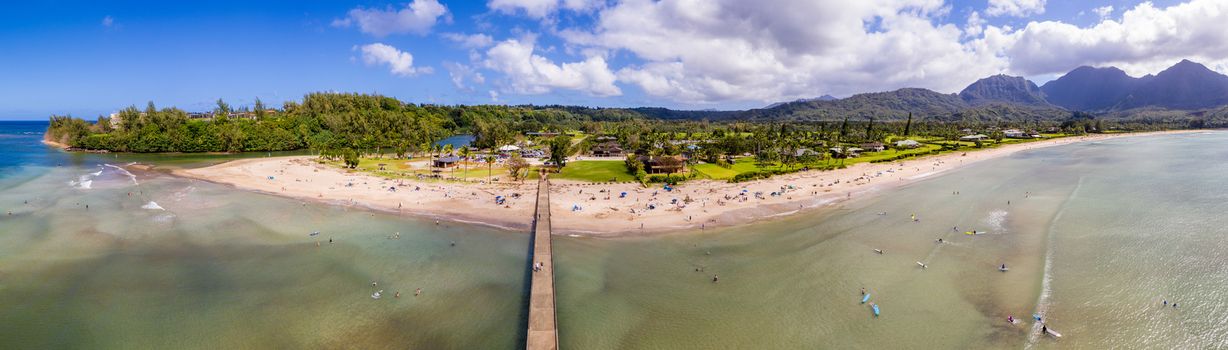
(1096, 236)
(162, 262)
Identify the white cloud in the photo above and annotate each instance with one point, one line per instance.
(460, 73)
(1104, 11)
(730, 50)
(470, 41)
(1017, 8)
(108, 21)
(1144, 40)
(975, 24)
(399, 62)
(417, 17)
(542, 8)
(528, 73)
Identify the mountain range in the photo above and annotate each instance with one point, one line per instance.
(1186, 86)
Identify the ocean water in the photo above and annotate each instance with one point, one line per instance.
(161, 262)
(1097, 236)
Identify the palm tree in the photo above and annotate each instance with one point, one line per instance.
(448, 149)
(490, 164)
(465, 152)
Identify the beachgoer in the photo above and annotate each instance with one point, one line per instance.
(715, 278)
(373, 283)
(863, 290)
(398, 294)
(453, 243)
(1044, 329)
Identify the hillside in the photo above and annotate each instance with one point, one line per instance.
(1004, 89)
(1184, 86)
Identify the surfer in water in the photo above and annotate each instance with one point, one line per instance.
(716, 278)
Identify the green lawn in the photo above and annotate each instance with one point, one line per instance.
(740, 165)
(593, 171)
(891, 153)
(396, 169)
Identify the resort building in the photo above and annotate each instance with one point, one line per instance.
(1014, 134)
(873, 147)
(608, 149)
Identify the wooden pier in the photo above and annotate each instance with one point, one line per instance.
(543, 329)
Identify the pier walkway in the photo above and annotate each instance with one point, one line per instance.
(543, 330)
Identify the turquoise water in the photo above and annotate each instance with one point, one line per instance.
(162, 262)
(1096, 235)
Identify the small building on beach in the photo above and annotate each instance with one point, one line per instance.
(873, 147)
(446, 162)
(907, 144)
(663, 164)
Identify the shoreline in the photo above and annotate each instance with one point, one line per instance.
(598, 210)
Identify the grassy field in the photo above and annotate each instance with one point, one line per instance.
(593, 171)
(397, 169)
(891, 153)
(716, 172)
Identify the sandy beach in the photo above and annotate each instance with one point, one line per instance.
(598, 209)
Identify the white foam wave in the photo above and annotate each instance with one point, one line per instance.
(1046, 282)
(125, 172)
(152, 206)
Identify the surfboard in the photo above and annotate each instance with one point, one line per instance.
(875, 307)
(922, 265)
(1053, 333)
(865, 298)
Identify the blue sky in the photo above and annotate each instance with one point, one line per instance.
(90, 58)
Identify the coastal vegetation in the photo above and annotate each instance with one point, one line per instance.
(379, 134)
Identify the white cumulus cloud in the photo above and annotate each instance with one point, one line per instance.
(1017, 8)
(417, 17)
(1103, 11)
(470, 41)
(730, 50)
(542, 8)
(529, 73)
(108, 21)
(1144, 40)
(399, 62)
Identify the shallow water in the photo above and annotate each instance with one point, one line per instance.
(162, 262)
(1096, 236)
(1116, 227)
